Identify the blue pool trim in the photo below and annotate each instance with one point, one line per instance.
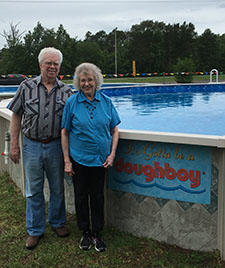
(132, 89)
(153, 89)
(8, 89)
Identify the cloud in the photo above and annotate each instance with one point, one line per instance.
(82, 16)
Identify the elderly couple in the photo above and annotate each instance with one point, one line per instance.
(76, 133)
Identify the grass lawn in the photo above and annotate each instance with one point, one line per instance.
(158, 79)
(124, 250)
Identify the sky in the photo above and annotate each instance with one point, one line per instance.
(79, 17)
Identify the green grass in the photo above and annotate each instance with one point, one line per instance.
(124, 250)
(157, 79)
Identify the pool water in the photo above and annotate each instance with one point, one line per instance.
(185, 108)
(183, 112)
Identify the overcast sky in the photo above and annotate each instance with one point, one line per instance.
(78, 17)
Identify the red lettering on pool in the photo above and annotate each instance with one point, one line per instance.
(159, 172)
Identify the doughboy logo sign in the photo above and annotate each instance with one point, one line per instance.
(180, 172)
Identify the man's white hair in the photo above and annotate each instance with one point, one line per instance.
(50, 50)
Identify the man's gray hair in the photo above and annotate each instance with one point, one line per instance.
(50, 50)
(87, 68)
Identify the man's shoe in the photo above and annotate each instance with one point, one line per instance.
(32, 241)
(86, 241)
(61, 231)
(100, 245)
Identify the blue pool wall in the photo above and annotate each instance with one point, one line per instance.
(120, 89)
(153, 89)
(8, 89)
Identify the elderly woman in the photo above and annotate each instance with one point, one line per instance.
(89, 141)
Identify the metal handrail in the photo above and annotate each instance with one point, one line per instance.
(211, 73)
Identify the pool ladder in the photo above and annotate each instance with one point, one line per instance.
(211, 74)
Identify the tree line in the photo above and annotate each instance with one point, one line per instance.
(154, 46)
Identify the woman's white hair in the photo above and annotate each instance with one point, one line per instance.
(87, 68)
(50, 50)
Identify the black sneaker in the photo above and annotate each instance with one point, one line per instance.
(100, 245)
(86, 241)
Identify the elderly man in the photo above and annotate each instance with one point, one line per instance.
(37, 108)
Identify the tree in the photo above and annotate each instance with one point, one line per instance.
(13, 37)
(100, 38)
(221, 52)
(68, 47)
(145, 43)
(12, 60)
(155, 46)
(207, 51)
(89, 51)
(33, 44)
(178, 42)
(12, 55)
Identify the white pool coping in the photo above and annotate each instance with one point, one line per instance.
(4, 112)
(171, 137)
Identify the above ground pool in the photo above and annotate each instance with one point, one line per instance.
(190, 108)
(168, 178)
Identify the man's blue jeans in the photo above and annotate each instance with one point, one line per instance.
(40, 160)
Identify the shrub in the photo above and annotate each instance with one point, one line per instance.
(184, 69)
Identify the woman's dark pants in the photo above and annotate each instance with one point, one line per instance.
(88, 185)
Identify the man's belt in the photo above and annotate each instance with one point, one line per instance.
(45, 141)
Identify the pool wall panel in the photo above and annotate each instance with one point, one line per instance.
(186, 224)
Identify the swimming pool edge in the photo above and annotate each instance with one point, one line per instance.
(171, 137)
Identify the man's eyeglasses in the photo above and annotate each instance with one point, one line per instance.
(49, 63)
